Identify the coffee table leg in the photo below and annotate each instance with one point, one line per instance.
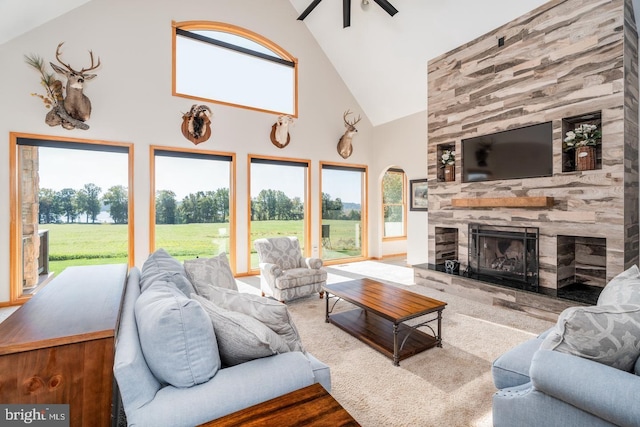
(396, 359)
(326, 315)
(439, 337)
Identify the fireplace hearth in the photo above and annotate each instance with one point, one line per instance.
(504, 255)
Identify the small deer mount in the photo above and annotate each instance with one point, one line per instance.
(344, 143)
(196, 124)
(73, 108)
(280, 131)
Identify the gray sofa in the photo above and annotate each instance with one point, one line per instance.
(150, 397)
(583, 372)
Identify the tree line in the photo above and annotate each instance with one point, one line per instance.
(68, 205)
(213, 207)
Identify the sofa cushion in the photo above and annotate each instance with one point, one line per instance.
(512, 368)
(608, 334)
(271, 313)
(206, 273)
(622, 289)
(176, 336)
(241, 338)
(162, 266)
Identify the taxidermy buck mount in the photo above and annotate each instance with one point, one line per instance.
(280, 131)
(74, 108)
(346, 10)
(344, 143)
(196, 124)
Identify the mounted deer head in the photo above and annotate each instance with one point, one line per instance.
(196, 124)
(76, 104)
(344, 143)
(280, 131)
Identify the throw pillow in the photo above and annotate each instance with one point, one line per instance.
(206, 273)
(607, 334)
(622, 289)
(241, 338)
(176, 336)
(272, 313)
(162, 266)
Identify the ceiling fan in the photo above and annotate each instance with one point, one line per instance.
(346, 10)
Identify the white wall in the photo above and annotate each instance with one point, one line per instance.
(402, 144)
(132, 101)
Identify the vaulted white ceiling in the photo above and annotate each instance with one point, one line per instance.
(382, 59)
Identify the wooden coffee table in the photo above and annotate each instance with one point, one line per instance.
(379, 319)
(310, 406)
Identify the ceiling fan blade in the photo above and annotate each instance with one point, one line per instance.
(346, 13)
(388, 7)
(308, 10)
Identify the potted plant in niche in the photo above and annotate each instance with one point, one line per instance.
(448, 160)
(583, 140)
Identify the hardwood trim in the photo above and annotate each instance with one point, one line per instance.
(503, 202)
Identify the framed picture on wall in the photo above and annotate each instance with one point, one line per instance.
(419, 199)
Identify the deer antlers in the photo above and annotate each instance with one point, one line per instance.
(68, 66)
(346, 122)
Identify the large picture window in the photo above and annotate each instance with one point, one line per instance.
(192, 203)
(279, 190)
(343, 201)
(71, 205)
(231, 65)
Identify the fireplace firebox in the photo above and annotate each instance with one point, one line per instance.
(504, 255)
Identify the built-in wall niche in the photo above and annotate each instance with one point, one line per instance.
(446, 244)
(570, 124)
(446, 173)
(582, 268)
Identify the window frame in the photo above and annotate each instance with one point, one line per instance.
(403, 204)
(16, 294)
(240, 32)
(232, 194)
(364, 213)
(307, 201)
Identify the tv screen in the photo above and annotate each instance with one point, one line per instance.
(517, 153)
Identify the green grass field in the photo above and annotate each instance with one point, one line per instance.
(91, 244)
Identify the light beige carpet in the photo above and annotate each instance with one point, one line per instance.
(449, 386)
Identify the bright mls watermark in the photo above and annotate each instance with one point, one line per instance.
(34, 415)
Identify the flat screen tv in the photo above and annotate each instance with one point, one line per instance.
(525, 152)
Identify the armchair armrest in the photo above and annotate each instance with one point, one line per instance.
(270, 271)
(314, 263)
(608, 393)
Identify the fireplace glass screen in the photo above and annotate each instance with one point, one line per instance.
(504, 255)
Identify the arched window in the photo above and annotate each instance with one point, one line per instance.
(222, 63)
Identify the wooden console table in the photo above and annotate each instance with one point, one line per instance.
(59, 346)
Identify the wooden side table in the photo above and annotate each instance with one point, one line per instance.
(310, 406)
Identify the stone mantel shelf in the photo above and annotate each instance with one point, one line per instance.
(503, 202)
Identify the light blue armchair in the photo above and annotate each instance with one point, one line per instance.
(583, 372)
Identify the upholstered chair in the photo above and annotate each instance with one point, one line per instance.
(284, 273)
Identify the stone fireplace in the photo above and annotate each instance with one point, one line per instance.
(568, 62)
